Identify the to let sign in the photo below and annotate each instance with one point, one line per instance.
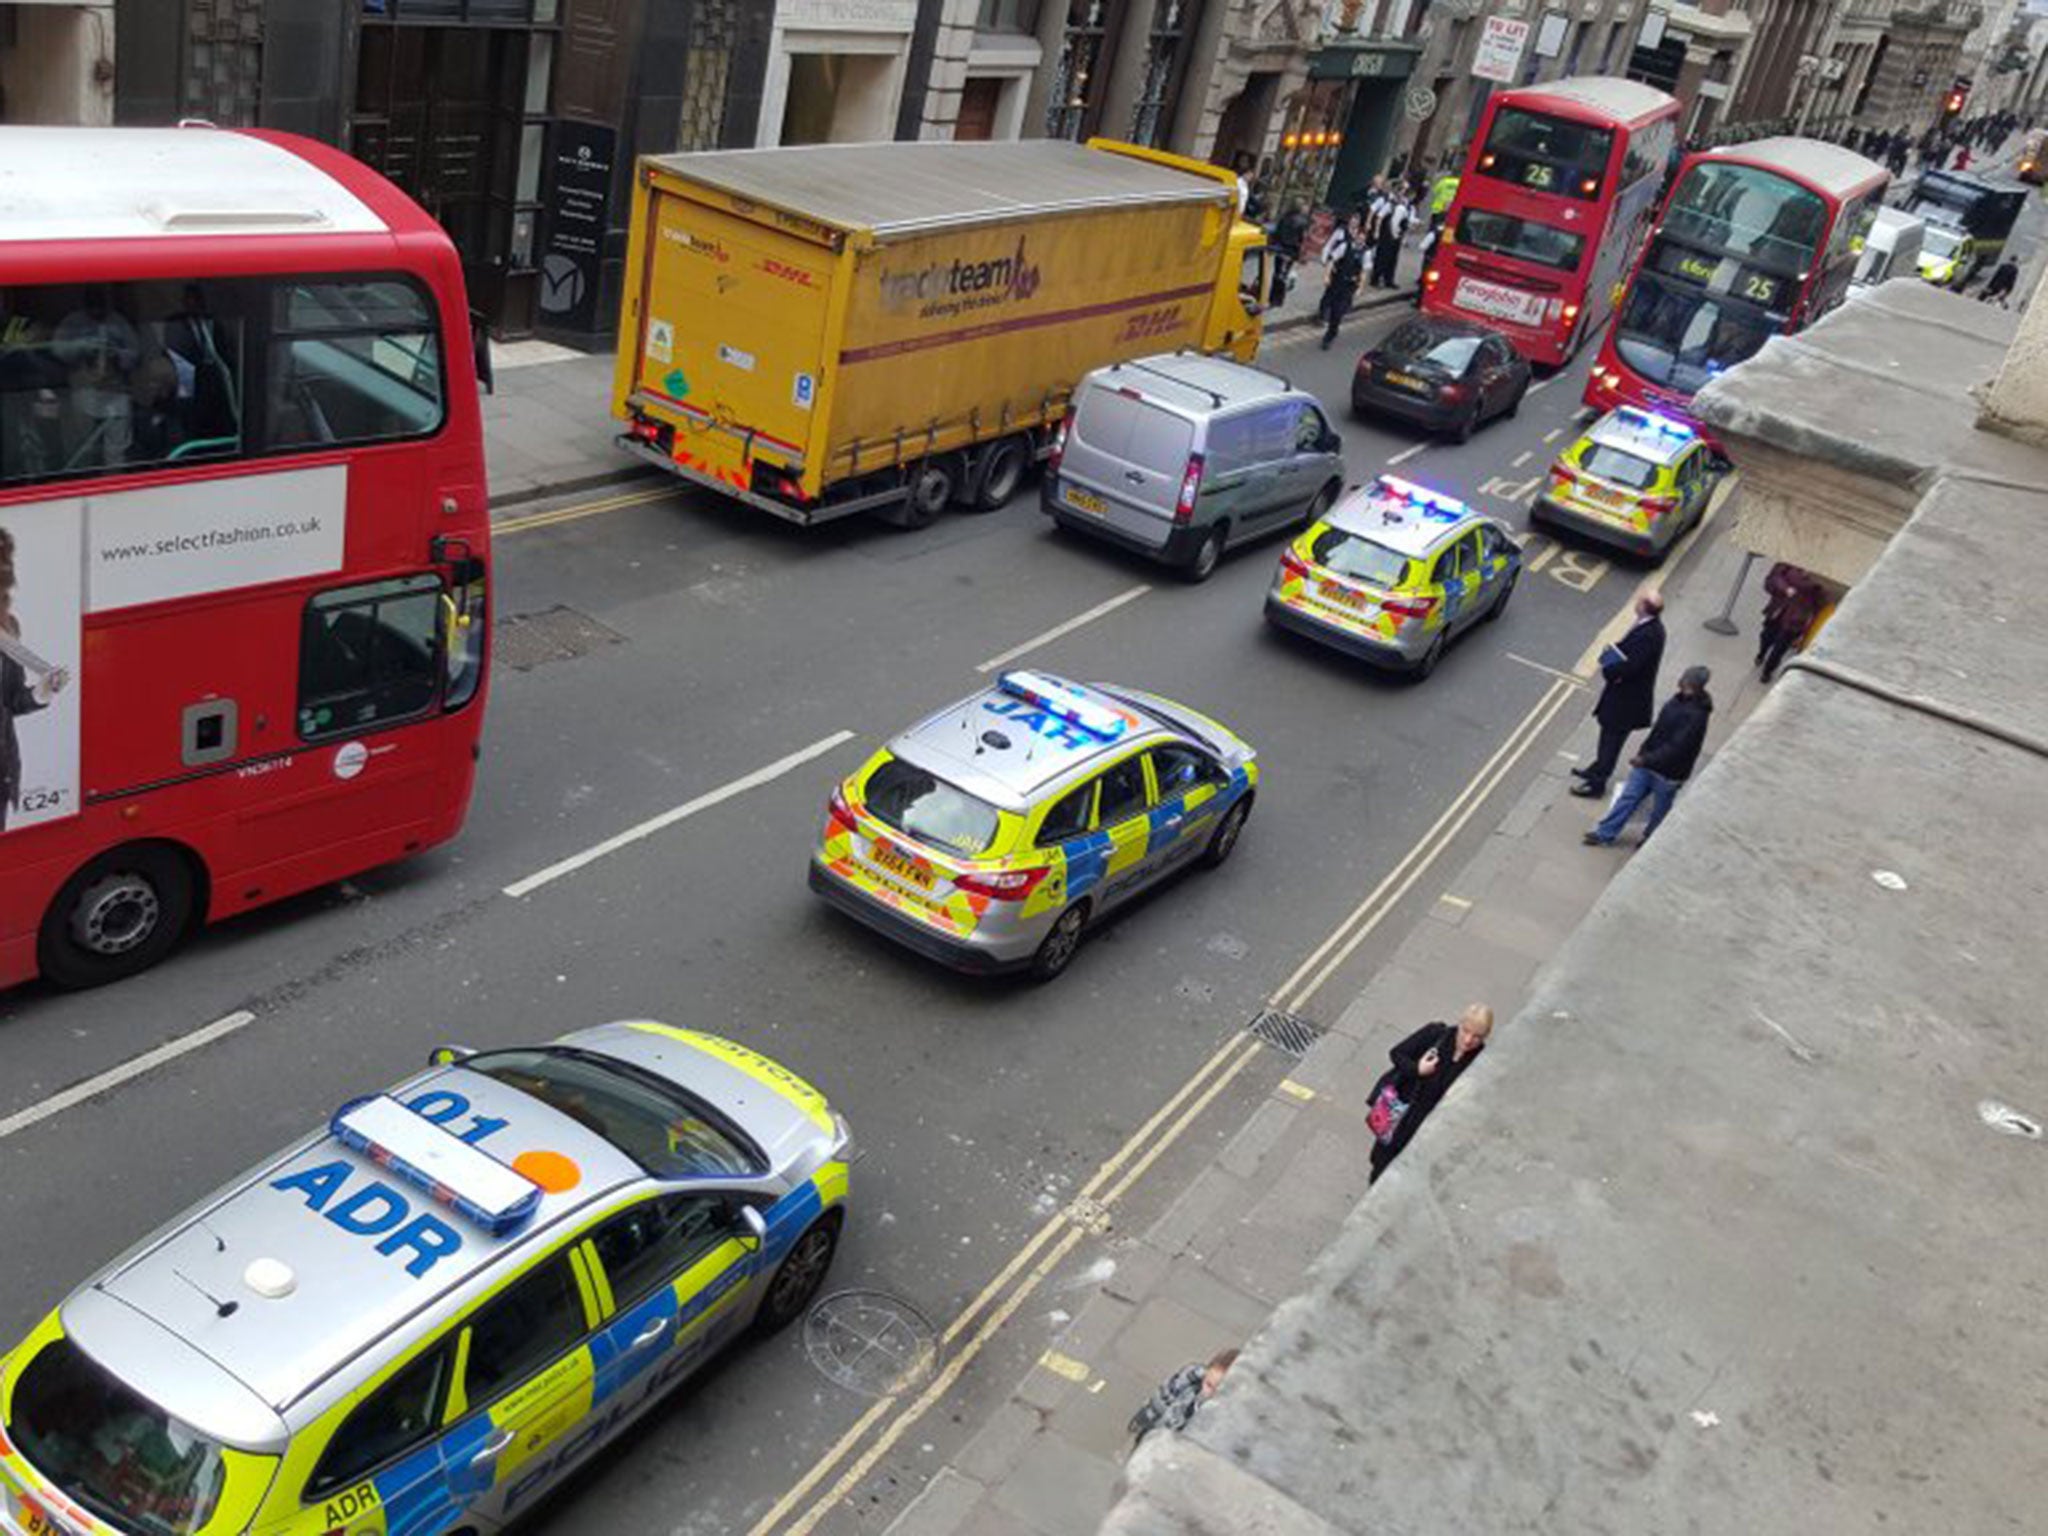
(1500, 48)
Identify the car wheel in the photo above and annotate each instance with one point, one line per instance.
(1223, 841)
(1057, 950)
(1515, 404)
(1466, 425)
(117, 916)
(1430, 658)
(797, 1279)
(1002, 468)
(1208, 554)
(1500, 603)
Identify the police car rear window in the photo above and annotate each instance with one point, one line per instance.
(1620, 468)
(924, 806)
(668, 1132)
(119, 1455)
(1360, 559)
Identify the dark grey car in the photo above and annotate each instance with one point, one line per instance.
(1447, 375)
(1183, 456)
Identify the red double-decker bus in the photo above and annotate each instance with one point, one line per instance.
(243, 535)
(1754, 240)
(1560, 183)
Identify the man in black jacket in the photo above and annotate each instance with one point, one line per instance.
(1628, 696)
(1666, 761)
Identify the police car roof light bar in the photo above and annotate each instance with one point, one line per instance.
(1436, 506)
(1636, 416)
(1063, 702)
(461, 1177)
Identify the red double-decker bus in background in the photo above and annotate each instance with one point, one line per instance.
(1754, 240)
(243, 535)
(1561, 180)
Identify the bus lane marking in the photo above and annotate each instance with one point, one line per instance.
(1407, 453)
(683, 812)
(1088, 616)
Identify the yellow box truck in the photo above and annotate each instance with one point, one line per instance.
(832, 329)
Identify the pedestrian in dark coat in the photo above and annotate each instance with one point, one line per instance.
(1628, 694)
(1344, 264)
(1424, 1067)
(1792, 597)
(1666, 761)
(1999, 286)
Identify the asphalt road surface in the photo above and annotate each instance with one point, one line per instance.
(715, 646)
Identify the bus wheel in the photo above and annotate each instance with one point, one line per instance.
(119, 915)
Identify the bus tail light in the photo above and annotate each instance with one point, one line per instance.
(1190, 488)
(1431, 277)
(1002, 884)
(1410, 607)
(1571, 313)
(1059, 441)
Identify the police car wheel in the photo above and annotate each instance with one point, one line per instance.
(117, 916)
(1500, 604)
(1001, 469)
(1430, 658)
(1208, 554)
(1056, 952)
(1223, 841)
(793, 1285)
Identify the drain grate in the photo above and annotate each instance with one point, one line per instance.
(528, 640)
(1284, 1031)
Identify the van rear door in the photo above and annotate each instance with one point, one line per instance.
(1124, 462)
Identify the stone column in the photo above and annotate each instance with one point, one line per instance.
(1132, 56)
(1200, 103)
(1052, 42)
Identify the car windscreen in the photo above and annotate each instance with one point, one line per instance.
(1360, 559)
(1416, 345)
(1680, 335)
(1620, 468)
(665, 1130)
(113, 1451)
(1502, 234)
(922, 805)
(1935, 241)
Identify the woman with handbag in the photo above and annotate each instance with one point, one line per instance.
(1424, 1067)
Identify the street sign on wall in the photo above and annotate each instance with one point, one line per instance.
(1500, 48)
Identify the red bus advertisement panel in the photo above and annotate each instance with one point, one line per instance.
(1560, 184)
(243, 536)
(1754, 241)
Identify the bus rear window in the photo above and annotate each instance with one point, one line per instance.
(1502, 234)
(1546, 154)
(120, 1456)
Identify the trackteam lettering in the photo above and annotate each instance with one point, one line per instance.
(212, 538)
(949, 287)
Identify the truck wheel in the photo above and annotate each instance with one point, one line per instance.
(929, 488)
(117, 916)
(1002, 467)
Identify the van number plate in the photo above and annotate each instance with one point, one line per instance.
(1085, 501)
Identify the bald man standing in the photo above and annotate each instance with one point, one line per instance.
(1424, 1067)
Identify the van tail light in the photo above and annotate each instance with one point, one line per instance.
(839, 813)
(1059, 441)
(1410, 607)
(1190, 488)
(1657, 506)
(1002, 884)
(1293, 565)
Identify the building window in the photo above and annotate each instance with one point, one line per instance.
(1075, 79)
(1162, 60)
(1007, 16)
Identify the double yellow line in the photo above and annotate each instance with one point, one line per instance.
(506, 527)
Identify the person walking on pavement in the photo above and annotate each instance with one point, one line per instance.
(1791, 599)
(2004, 278)
(1343, 265)
(1665, 762)
(1628, 692)
(1288, 233)
(1424, 1067)
(1393, 229)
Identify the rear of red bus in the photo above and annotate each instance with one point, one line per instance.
(1558, 186)
(1753, 242)
(244, 536)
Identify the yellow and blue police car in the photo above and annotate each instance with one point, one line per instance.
(1636, 481)
(991, 835)
(424, 1315)
(1393, 574)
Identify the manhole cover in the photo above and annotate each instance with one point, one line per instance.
(528, 640)
(871, 1342)
(1288, 1032)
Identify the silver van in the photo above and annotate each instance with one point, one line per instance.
(1183, 456)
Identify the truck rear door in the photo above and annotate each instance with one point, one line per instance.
(732, 334)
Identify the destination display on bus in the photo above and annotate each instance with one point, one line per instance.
(1723, 274)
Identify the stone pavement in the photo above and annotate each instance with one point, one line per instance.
(1239, 1241)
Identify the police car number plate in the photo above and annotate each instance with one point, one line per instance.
(1331, 592)
(1085, 501)
(903, 866)
(35, 1523)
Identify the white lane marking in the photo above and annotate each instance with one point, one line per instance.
(689, 808)
(1088, 617)
(1522, 458)
(113, 1077)
(1553, 434)
(1537, 666)
(1407, 453)
(1539, 386)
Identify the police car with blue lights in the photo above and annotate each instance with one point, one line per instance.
(991, 835)
(1393, 574)
(1636, 481)
(423, 1316)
